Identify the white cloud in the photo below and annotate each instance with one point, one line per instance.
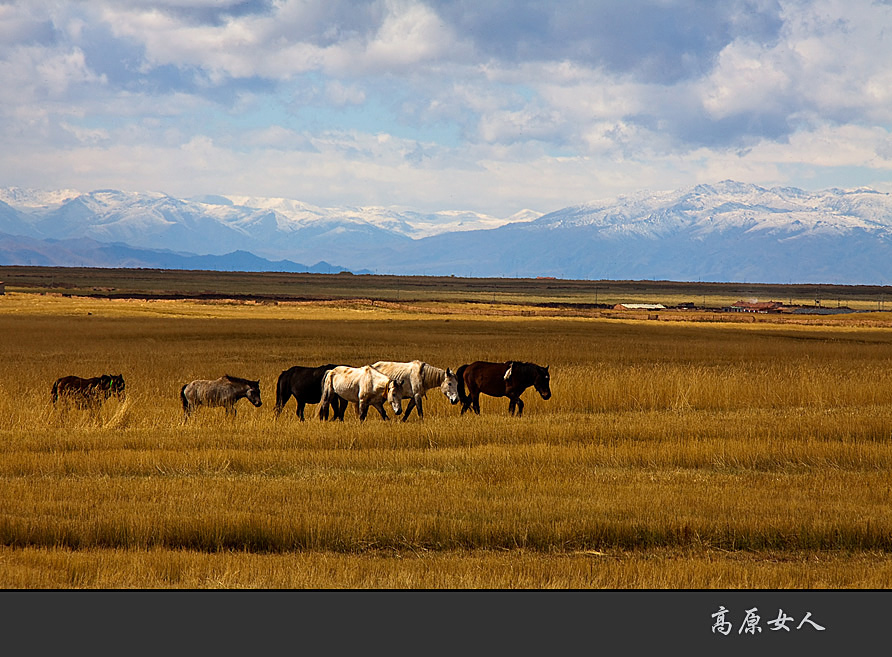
(402, 34)
(831, 146)
(746, 80)
(411, 34)
(417, 103)
(830, 62)
(30, 73)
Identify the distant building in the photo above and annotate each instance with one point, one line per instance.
(755, 307)
(639, 306)
(2, 287)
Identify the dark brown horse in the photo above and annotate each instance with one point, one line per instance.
(88, 393)
(302, 383)
(507, 379)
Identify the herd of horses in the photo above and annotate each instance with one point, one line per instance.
(334, 387)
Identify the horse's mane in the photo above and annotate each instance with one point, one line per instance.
(396, 370)
(238, 379)
(432, 376)
(524, 367)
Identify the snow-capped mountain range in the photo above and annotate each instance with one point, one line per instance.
(729, 231)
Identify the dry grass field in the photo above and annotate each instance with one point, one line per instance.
(672, 454)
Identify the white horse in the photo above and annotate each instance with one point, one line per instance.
(418, 377)
(364, 386)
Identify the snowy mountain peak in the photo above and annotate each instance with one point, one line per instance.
(23, 199)
(724, 231)
(215, 224)
(730, 205)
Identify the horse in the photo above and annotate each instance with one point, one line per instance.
(225, 392)
(304, 384)
(418, 377)
(364, 386)
(507, 379)
(88, 393)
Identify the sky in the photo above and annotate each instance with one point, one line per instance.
(482, 105)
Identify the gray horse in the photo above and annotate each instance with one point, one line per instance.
(225, 392)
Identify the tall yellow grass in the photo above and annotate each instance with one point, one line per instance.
(670, 455)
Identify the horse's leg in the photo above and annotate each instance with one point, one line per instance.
(519, 407)
(473, 394)
(512, 403)
(333, 404)
(363, 408)
(418, 408)
(300, 410)
(475, 402)
(91, 404)
(409, 408)
(282, 397)
(465, 406)
(337, 406)
(380, 407)
(341, 405)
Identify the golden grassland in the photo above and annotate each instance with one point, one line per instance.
(673, 454)
(525, 294)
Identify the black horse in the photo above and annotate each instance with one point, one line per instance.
(304, 384)
(507, 379)
(88, 393)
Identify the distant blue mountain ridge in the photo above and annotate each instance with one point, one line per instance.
(724, 232)
(83, 252)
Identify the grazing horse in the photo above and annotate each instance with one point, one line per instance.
(225, 392)
(303, 383)
(88, 393)
(364, 386)
(418, 377)
(507, 379)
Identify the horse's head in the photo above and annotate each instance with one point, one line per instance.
(117, 384)
(449, 387)
(395, 396)
(253, 393)
(542, 382)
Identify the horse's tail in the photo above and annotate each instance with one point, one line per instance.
(55, 392)
(327, 393)
(184, 400)
(460, 375)
(283, 392)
